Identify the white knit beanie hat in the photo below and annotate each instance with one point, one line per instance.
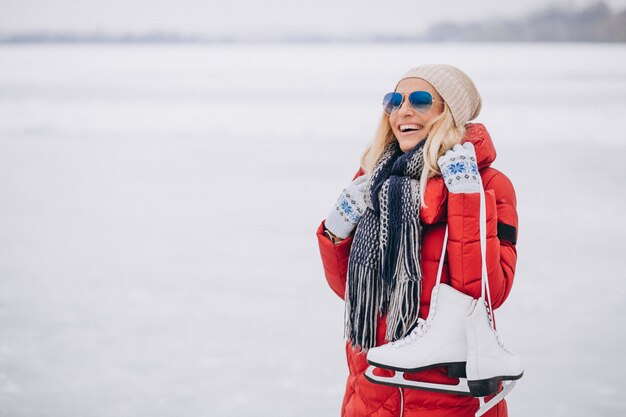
(454, 86)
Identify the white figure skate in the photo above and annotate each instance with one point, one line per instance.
(480, 362)
(488, 361)
(437, 341)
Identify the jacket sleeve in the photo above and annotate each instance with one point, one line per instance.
(463, 251)
(335, 257)
(334, 260)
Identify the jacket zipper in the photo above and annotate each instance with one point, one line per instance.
(401, 402)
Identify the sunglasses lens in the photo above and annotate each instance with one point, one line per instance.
(392, 102)
(421, 101)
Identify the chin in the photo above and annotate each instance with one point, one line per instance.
(407, 144)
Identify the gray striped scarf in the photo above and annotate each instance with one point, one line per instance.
(384, 273)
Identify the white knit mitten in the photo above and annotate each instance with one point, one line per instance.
(459, 169)
(348, 208)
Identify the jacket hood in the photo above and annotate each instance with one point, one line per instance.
(477, 134)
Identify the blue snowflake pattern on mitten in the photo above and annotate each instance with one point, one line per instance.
(346, 207)
(457, 168)
(473, 166)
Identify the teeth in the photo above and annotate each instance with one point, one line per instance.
(404, 128)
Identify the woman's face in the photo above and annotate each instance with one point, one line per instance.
(407, 116)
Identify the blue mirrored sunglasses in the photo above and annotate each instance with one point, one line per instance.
(420, 101)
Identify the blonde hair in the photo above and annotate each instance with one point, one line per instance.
(443, 135)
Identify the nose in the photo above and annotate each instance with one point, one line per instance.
(405, 107)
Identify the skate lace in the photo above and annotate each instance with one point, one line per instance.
(492, 324)
(415, 334)
(501, 343)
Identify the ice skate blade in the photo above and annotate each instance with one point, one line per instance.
(456, 369)
(398, 380)
(507, 387)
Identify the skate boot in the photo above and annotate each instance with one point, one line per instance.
(488, 361)
(436, 341)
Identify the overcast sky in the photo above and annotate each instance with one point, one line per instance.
(264, 17)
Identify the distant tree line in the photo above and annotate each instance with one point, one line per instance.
(596, 23)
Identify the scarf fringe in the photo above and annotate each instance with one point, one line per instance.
(404, 300)
(404, 310)
(363, 300)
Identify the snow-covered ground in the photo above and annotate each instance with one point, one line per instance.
(158, 207)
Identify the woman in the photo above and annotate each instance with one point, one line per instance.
(381, 243)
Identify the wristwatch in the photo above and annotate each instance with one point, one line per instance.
(332, 237)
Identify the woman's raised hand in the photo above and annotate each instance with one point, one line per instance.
(459, 169)
(348, 208)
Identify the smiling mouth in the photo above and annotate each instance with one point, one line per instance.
(410, 128)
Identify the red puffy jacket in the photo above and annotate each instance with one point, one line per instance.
(462, 270)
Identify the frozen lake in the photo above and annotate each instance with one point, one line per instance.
(158, 210)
